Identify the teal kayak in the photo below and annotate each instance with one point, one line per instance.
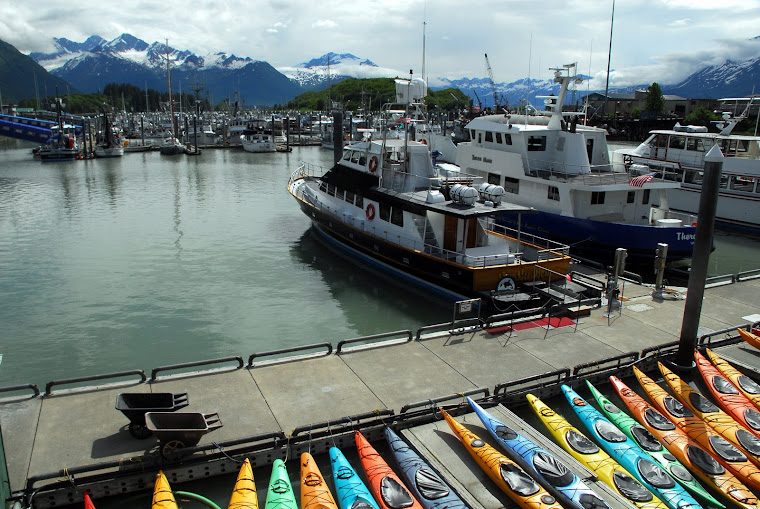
(351, 492)
(546, 468)
(644, 439)
(429, 489)
(280, 493)
(630, 456)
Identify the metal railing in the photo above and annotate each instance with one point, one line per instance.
(375, 344)
(106, 376)
(185, 365)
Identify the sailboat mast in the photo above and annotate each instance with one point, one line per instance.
(609, 57)
(171, 99)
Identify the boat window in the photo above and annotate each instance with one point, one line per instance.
(724, 181)
(347, 155)
(742, 146)
(498, 138)
(511, 185)
(362, 160)
(397, 216)
(385, 212)
(662, 141)
(645, 197)
(349, 197)
(480, 138)
(537, 143)
(489, 136)
(359, 201)
(494, 179)
(677, 142)
(323, 186)
(331, 189)
(339, 193)
(355, 155)
(508, 139)
(695, 144)
(553, 193)
(631, 197)
(597, 198)
(742, 184)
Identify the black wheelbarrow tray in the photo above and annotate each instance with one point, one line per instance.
(182, 429)
(134, 405)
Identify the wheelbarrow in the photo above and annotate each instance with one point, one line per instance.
(182, 429)
(134, 405)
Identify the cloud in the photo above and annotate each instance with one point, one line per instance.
(324, 23)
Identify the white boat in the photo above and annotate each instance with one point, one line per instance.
(137, 146)
(257, 142)
(563, 171)
(110, 145)
(679, 155)
(62, 145)
(386, 203)
(171, 147)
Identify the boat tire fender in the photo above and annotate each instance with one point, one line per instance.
(372, 167)
(370, 212)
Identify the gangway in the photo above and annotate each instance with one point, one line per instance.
(29, 129)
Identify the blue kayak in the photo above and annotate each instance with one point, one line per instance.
(630, 456)
(426, 486)
(543, 466)
(350, 491)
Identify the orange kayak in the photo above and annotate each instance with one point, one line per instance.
(163, 498)
(88, 501)
(314, 491)
(749, 337)
(244, 494)
(713, 416)
(510, 478)
(733, 402)
(700, 432)
(745, 384)
(385, 485)
(712, 469)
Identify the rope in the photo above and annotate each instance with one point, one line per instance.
(221, 449)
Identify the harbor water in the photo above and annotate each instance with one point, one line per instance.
(150, 260)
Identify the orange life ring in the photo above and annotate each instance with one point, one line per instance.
(370, 212)
(424, 141)
(373, 164)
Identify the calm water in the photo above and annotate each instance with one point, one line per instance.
(149, 260)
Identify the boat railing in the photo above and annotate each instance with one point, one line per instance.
(593, 175)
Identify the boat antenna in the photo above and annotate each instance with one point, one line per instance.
(527, 98)
(588, 83)
(424, 25)
(609, 56)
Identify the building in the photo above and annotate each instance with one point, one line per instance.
(623, 104)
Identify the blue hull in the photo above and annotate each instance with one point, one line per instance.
(559, 480)
(630, 456)
(598, 240)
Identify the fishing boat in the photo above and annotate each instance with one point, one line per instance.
(563, 170)
(679, 155)
(62, 145)
(109, 146)
(386, 203)
(257, 142)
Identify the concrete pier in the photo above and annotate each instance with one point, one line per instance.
(73, 430)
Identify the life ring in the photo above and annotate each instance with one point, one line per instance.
(373, 164)
(370, 212)
(424, 141)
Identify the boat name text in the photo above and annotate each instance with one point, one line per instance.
(482, 159)
(686, 236)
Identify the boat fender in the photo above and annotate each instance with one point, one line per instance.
(424, 141)
(370, 212)
(372, 168)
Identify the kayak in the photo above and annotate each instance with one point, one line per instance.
(749, 337)
(426, 485)
(733, 402)
(546, 468)
(88, 502)
(280, 492)
(350, 491)
(713, 416)
(315, 493)
(508, 476)
(385, 485)
(649, 444)
(745, 384)
(630, 456)
(244, 493)
(711, 468)
(699, 431)
(588, 454)
(163, 498)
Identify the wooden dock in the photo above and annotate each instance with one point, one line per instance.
(72, 438)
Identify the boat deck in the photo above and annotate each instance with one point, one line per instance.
(50, 436)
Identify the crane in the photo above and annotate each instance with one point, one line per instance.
(493, 84)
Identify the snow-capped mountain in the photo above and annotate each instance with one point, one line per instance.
(730, 79)
(333, 67)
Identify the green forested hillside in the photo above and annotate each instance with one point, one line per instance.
(18, 73)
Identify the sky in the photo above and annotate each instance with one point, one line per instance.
(653, 40)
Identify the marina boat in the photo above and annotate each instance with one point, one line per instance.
(386, 203)
(110, 146)
(679, 155)
(563, 170)
(62, 145)
(257, 142)
(172, 147)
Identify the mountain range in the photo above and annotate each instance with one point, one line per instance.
(90, 65)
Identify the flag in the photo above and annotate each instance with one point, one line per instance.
(642, 179)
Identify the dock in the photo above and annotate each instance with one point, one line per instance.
(68, 437)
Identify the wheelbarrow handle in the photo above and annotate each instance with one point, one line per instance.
(180, 400)
(212, 421)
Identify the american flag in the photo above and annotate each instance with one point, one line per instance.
(642, 179)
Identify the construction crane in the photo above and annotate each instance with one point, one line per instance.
(493, 84)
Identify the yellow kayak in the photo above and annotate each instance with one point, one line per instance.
(745, 384)
(510, 478)
(592, 457)
(163, 498)
(244, 494)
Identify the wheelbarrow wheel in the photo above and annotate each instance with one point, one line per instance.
(138, 430)
(169, 449)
